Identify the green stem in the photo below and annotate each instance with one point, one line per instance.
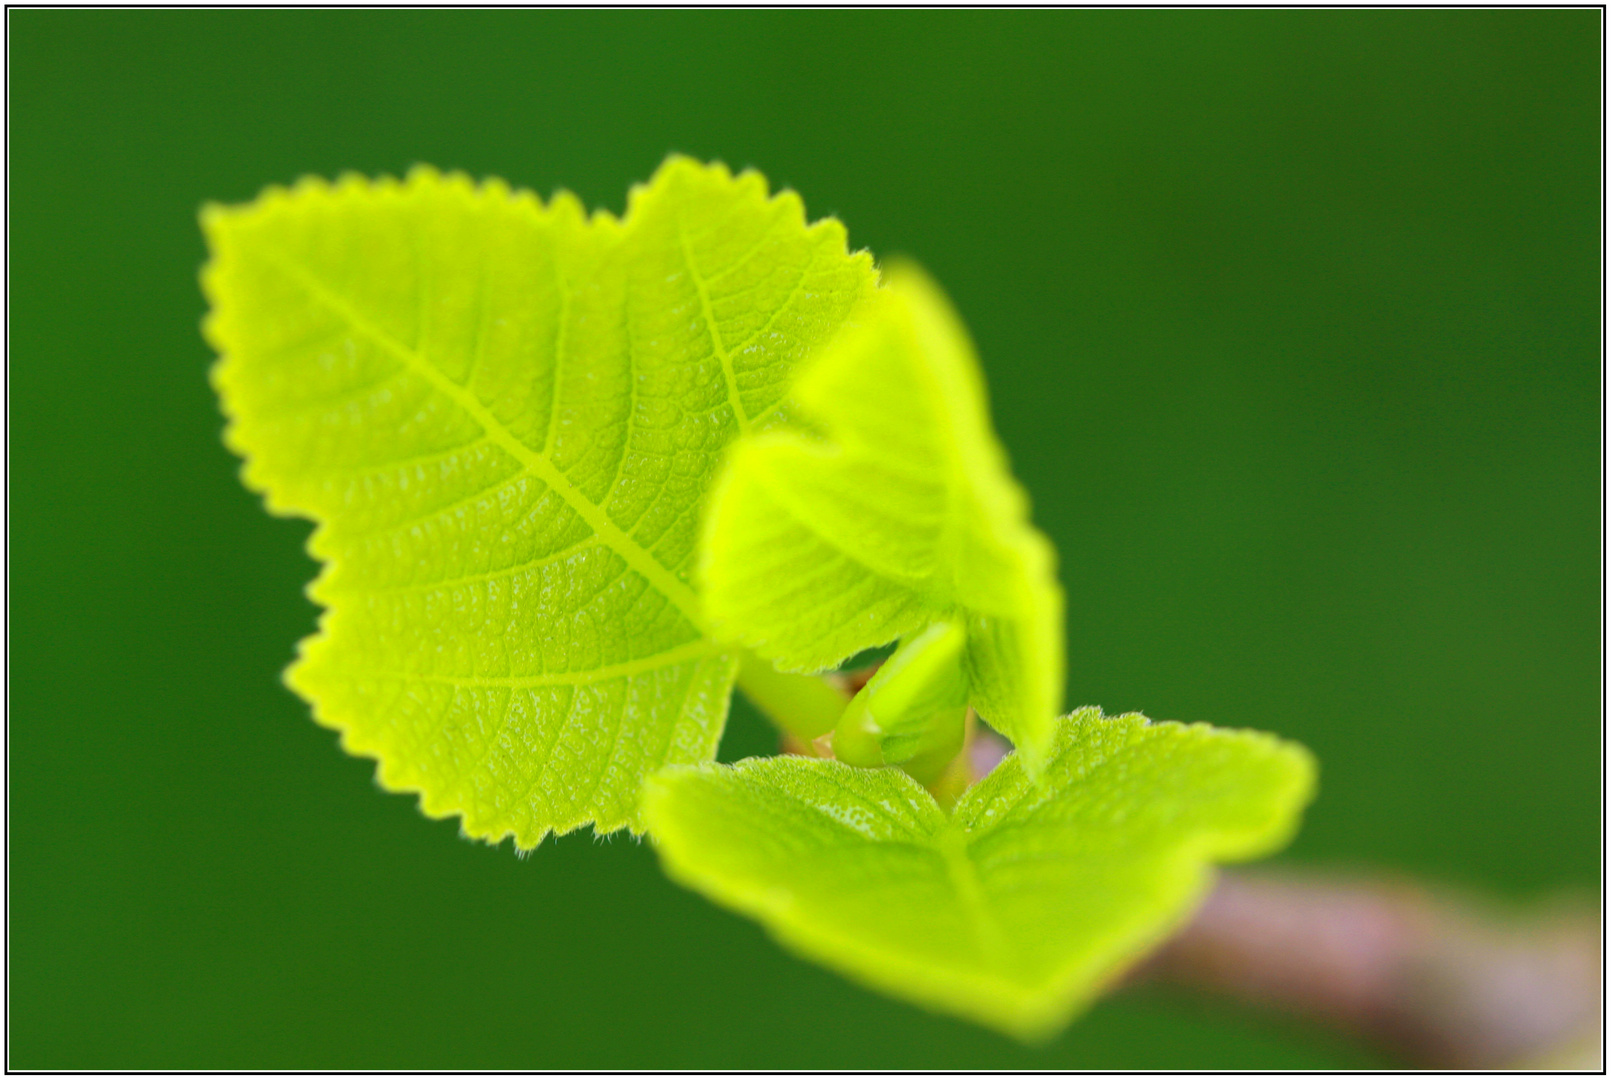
(809, 706)
(805, 706)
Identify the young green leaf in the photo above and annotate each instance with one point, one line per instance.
(892, 512)
(911, 703)
(504, 416)
(1017, 908)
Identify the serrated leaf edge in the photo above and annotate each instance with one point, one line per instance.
(214, 217)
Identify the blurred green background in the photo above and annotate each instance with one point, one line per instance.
(1291, 321)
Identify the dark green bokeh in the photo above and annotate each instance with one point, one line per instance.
(1291, 321)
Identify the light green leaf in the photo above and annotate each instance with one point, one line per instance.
(504, 416)
(892, 511)
(1020, 906)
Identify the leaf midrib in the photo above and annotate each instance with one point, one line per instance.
(638, 558)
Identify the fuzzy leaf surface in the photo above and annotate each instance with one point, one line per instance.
(888, 509)
(503, 416)
(1017, 908)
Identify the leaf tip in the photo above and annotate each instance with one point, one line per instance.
(423, 174)
(564, 203)
(675, 170)
(211, 217)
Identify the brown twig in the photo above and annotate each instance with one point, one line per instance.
(1438, 980)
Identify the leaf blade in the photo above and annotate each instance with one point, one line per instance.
(503, 416)
(1013, 911)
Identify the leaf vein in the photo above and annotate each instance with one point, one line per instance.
(468, 579)
(711, 328)
(694, 650)
(794, 294)
(639, 559)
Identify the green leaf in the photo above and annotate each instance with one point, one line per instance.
(886, 509)
(504, 417)
(1023, 903)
